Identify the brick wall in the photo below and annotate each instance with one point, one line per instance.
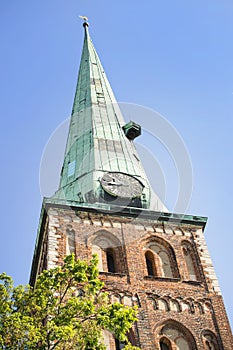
(192, 306)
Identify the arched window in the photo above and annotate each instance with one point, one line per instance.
(210, 341)
(176, 336)
(110, 260)
(150, 263)
(165, 344)
(109, 251)
(190, 261)
(161, 260)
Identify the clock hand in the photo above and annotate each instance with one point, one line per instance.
(115, 183)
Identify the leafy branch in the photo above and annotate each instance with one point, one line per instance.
(66, 309)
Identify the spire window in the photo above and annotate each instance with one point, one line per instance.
(71, 168)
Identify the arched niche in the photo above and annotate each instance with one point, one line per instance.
(163, 305)
(70, 240)
(192, 269)
(175, 306)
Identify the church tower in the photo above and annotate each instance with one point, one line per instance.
(105, 205)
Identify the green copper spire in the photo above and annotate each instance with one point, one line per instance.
(100, 149)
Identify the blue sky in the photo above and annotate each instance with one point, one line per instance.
(174, 56)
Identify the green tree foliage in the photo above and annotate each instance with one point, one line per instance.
(67, 309)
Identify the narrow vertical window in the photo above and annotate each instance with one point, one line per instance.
(110, 261)
(98, 251)
(210, 341)
(150, 263)
(165, 345)
(208, 346)
(71, 168)
(119, 345)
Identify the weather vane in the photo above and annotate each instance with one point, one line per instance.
(85, 24)
(84, 18)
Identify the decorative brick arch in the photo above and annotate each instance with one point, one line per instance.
(198, 308)
(175, 305)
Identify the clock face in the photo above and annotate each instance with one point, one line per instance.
(121, 185)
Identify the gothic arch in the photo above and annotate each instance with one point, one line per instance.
(105, 239)
(209, 340)
(175, 336)
(160, 258)
(109, 250)
(192, 269)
